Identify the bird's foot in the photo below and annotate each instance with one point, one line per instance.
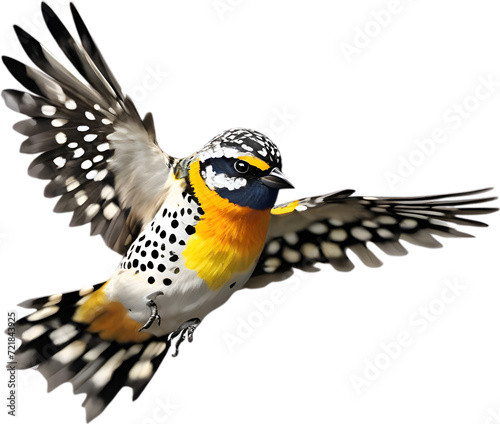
(186, 328)
(153, 317)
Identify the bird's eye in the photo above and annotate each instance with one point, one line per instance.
(241, 166)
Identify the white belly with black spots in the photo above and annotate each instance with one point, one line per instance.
(154, 268)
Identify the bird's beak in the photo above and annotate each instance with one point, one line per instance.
(276, 179)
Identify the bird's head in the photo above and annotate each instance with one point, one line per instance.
(242, 166)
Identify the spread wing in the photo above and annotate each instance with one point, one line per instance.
(323, 229)
(101, 158)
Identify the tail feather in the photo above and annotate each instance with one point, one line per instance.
(66, 351)
(60, 299)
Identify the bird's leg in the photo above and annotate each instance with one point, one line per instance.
(186, 328)
(154, 312)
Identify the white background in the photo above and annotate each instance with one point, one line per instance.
(353, 122)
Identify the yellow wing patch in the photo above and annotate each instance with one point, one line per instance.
(290, 207)
(109, 319)
(258, 163)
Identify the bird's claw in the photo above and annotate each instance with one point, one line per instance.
(153, 317)
(186, 328)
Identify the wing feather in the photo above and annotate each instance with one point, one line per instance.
(324, 229)
(101, 158)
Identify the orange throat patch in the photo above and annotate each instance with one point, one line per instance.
(228, 239)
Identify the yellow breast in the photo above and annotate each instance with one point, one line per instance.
(228, 239)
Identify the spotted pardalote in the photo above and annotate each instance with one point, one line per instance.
(191, 231)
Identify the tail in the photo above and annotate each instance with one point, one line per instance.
(77, 338)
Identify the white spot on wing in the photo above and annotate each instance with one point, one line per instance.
(61, 138)
(92, 210)
(33, 332)
(271, 264)
(81, 197)
(70, 352)
(59, 162)
(385, 233)
(86, 164)
(63, 334)
(48, 110)
(53, 300)
(78, 153)
(91, 174)
(361, 233)
(386, 220)
(85, 291)
(90, 137)
(331, 250)
(103, 147)
(110, 211)
(71, 184)
(369, 224)
(101, 175)
(153, 350)
(310, 251)
(273, 248)
(291, 238)
(58, 122)
(408, 224)
(335, 222)
(133, 350)
(107, 192)
(43, 313)
(94, 353)
(291, 256)
(338, 234)
(141, 370)
(102, 377)
(70, 104)
(318, 228)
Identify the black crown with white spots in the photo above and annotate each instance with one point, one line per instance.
(245, 140)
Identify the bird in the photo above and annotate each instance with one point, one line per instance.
(191, 231)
